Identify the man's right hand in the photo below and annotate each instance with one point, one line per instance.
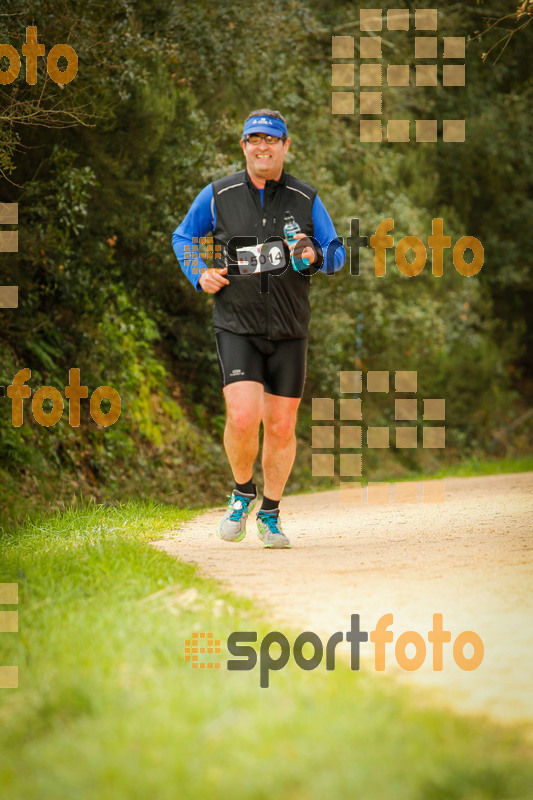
(212, 280)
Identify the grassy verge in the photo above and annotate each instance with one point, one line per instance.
(469, 468)
(477, 467)
(107, 707)
(60, 491)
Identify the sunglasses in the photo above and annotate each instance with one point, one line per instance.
(255, 138)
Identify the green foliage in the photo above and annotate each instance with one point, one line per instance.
(106, 167)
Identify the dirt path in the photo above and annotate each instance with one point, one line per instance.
(469, 558)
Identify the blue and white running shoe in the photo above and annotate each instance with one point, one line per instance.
(269, 529)
(232, 526)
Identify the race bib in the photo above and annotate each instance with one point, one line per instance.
(261, 257)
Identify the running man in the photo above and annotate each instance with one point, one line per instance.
(261, 313)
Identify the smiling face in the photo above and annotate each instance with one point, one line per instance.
(264, 162)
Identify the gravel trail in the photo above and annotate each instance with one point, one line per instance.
(468, 558)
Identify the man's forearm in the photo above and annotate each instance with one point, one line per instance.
(188, 254)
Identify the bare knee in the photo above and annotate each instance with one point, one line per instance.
(281, 428)
(242, 419)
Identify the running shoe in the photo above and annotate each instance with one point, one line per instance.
(232, 526)
(269, 529)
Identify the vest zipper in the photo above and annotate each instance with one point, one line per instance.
(268, 321)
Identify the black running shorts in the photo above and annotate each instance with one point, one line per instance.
(278, 365)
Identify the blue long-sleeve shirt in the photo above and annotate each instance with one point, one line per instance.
(201, 218)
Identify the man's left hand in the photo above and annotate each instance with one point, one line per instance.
(304, 249)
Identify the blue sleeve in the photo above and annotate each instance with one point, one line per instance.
(200, 220)
(326, 236)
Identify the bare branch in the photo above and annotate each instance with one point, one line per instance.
(524, 9)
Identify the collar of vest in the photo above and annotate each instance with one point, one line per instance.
(268, 184)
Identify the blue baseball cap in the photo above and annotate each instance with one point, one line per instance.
(261, 124)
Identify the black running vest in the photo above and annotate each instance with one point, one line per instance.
(273, 304)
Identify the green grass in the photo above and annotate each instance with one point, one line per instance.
(469, 468)
(107, 708)
(476, 466)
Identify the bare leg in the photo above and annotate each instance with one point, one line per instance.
(244, 409)
(279, 443)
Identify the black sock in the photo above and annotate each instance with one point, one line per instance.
(269, 505)
(245, 488)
